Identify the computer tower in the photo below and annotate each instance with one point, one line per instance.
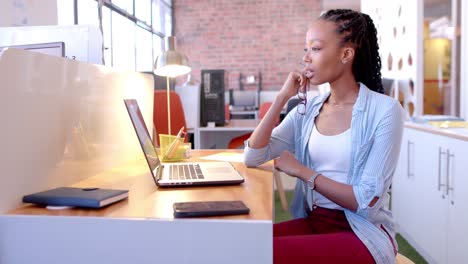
(212, 97)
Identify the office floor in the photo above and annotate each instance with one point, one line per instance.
(404, 248)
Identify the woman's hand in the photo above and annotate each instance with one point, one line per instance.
(295, 82)
(288, 164)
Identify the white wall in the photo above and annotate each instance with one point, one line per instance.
(28, 13)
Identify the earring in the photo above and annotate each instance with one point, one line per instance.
(344, 61)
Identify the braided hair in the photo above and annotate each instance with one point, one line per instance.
(359, 30)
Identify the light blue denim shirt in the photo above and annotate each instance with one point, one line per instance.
(376, 132)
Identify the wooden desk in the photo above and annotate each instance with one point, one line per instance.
(218, 137)
(142, 229)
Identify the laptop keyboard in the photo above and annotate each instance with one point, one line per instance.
(185, 172)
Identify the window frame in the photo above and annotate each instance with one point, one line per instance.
(138, 22)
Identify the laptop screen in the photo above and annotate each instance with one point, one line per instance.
(142, 132)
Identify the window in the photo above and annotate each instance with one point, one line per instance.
(144, 49)
(88, 12)
(157, 46)
(133, 30)
(166, 19)
(126, 5)
(143, 10)
(442, 57)
(123, 43)
(156, 16)
(65, 12)
(106, 28)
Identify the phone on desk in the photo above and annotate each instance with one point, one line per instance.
(209, 208)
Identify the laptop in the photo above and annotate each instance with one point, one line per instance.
(180, 173)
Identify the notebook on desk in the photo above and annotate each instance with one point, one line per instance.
(79, 197)
(180, 173)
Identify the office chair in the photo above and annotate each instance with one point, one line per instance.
(291, 104)
(401, 259)
(160, 114)
(239, 141)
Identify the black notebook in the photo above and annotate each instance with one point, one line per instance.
(79, 197)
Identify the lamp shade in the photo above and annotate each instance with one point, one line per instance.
(171, 63)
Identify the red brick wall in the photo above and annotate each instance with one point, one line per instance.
(244, 36)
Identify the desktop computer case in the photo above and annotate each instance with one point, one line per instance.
(212, 97)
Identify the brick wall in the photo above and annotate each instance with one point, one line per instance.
(244, 36)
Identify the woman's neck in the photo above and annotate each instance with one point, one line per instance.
(343, 91)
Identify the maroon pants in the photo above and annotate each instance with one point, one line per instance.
(323, 237)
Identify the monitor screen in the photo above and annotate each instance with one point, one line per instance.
(243, 98)
(142, 133)
(51, 48)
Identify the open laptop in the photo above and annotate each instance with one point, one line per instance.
(180, 173)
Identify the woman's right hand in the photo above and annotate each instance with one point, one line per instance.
(288, 164)
(295, 82)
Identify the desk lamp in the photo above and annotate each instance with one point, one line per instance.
(171, 63)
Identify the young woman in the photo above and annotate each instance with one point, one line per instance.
(343, 147)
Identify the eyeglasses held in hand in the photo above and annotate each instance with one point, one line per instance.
(302, 95)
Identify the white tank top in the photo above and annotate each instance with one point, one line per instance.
(331, 157)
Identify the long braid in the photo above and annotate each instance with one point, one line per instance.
(359, 30)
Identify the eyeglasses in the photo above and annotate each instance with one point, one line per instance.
(302, 95)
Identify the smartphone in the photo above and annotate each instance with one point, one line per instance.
(209, 208)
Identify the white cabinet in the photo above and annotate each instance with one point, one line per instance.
(430, 195)
(406, 186)
(458, 202)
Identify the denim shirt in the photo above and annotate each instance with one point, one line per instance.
(376, 133)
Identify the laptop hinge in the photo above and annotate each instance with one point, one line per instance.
(159, 172)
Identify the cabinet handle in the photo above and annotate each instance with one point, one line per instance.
(440, 169)
(408, 173)
(448, 187)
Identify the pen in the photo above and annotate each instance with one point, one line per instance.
(181, 131)
(173, 147)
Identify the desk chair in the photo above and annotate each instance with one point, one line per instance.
(291, 104)
(160, 114)
(239, 141)
(400, 259)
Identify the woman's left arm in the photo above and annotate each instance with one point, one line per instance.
(378, 168)
(381, 162)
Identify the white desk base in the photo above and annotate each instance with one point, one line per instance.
(60, 239)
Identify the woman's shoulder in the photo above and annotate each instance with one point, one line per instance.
(381, 101)
(379, 106)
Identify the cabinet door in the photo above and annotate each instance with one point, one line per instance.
(397, 205)
(401, 186)
(458, 202)
(432, 210)
(404, 198)
(417, 195)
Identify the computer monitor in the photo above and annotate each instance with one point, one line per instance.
(50, 48)
(243, 100)
(387, 85)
